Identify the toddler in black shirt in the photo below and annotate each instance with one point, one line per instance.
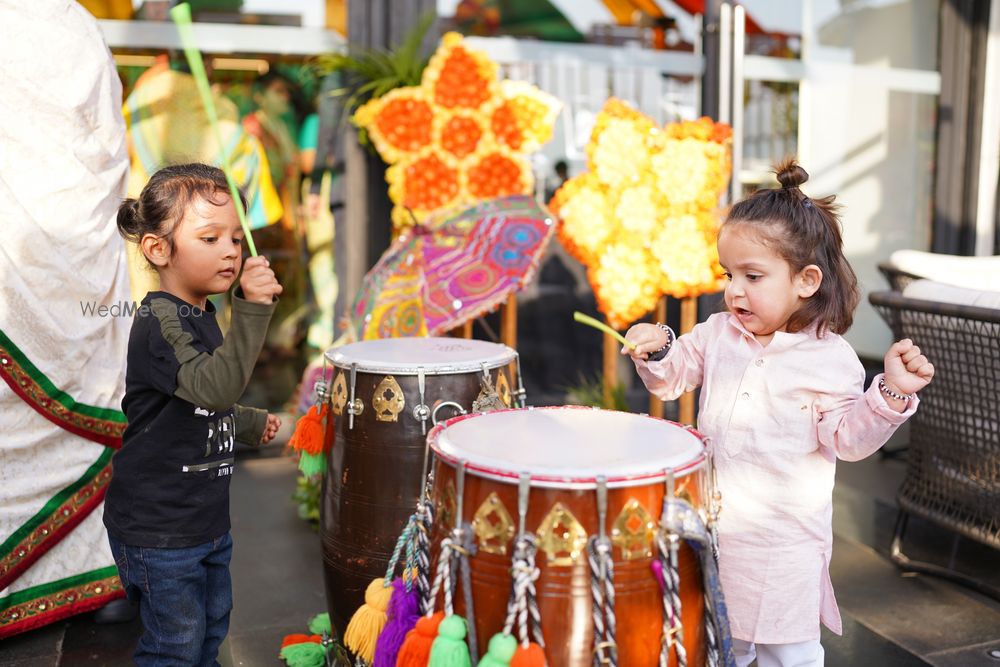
(167, 507)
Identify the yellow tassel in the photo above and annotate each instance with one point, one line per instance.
(309, 432)
(367, 623)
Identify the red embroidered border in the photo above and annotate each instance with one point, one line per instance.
(63, 518)
(51, 607)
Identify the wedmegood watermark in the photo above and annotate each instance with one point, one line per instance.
(131, 309)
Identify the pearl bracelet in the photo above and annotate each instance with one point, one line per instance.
(884, 388)
(662, 352)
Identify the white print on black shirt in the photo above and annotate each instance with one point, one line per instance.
(221, 434)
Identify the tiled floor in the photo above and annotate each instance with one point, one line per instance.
(889, 619)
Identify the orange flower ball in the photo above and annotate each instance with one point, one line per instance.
(495, 176)
(505, 128)
(460, 135)
(459, 84)
(430, 183)
(405, 123)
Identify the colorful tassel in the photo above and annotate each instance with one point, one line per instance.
(403, 613)
(416, 648)
(531, 656)
(500, 651)
(308, 436)
(450, 649)
(303, 654)
(300, 639)
(312, 464)
(320, 624)
(368, 621)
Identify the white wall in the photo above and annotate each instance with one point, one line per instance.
(867, 137)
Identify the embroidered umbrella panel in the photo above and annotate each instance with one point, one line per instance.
(452, 268)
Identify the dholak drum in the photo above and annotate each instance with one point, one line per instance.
(574, 457)
(385, 395)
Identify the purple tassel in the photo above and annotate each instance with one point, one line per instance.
(403, 612)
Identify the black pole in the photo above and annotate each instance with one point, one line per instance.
(710, 78)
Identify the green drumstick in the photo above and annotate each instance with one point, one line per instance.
(181, 15)
(597, 324)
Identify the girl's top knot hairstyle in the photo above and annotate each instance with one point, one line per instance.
(804, 231)
(161, 204)
(790, 174)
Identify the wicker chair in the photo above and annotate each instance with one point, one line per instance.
(896, 277)
(953, 473)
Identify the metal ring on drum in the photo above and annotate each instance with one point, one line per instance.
(379, 395)
(573, 457)
(446, 404)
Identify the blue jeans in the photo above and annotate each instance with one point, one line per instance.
(184, 595)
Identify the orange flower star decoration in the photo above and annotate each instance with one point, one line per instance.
(644, 218)
(461, 136)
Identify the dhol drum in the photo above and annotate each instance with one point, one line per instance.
(385, 395)
(573, 479)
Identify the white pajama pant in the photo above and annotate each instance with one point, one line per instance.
(799, 654)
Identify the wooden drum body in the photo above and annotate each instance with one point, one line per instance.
(565, 450)
(375, 470)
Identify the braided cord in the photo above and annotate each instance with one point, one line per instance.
(442, 578)
(597, 596)
(522, 606)
(602, 589)
(711, 639)
(530, 550)
(401, 541)
(673, 628)
(425, 518)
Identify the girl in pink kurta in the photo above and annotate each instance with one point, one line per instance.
(782, 399)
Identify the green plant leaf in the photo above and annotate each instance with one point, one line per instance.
(371, 73)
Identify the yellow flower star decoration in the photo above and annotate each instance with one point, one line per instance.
(461, 136)
(644, 219)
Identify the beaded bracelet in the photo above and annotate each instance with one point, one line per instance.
(884, 388)
(662, 352)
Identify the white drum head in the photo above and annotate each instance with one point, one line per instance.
(437, 356)
(568, 447)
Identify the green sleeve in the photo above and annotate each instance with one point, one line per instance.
(216, 381)
(309, 132)
(250, 423)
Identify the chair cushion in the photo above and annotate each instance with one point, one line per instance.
(930, 290)
(978, 273)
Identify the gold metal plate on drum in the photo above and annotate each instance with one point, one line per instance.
(561, 536)
(493, 526)
(503, 387)
(447, 505)
(388, 400)
(633, 530)
(339, 393)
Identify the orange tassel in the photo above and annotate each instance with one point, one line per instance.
(416, 649)
(300, 639)
(309, 436)
(532, 656)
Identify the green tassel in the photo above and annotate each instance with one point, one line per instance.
(500, 652)
(321, 624)
(312, 464)
(306, 654)
(449, 648)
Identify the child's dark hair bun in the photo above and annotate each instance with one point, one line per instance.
(790, 174)
(129, 220)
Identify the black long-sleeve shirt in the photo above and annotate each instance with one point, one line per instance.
(170, 487)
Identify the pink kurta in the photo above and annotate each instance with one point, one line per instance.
(778, 416)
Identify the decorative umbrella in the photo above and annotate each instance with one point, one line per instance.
(452, 268)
